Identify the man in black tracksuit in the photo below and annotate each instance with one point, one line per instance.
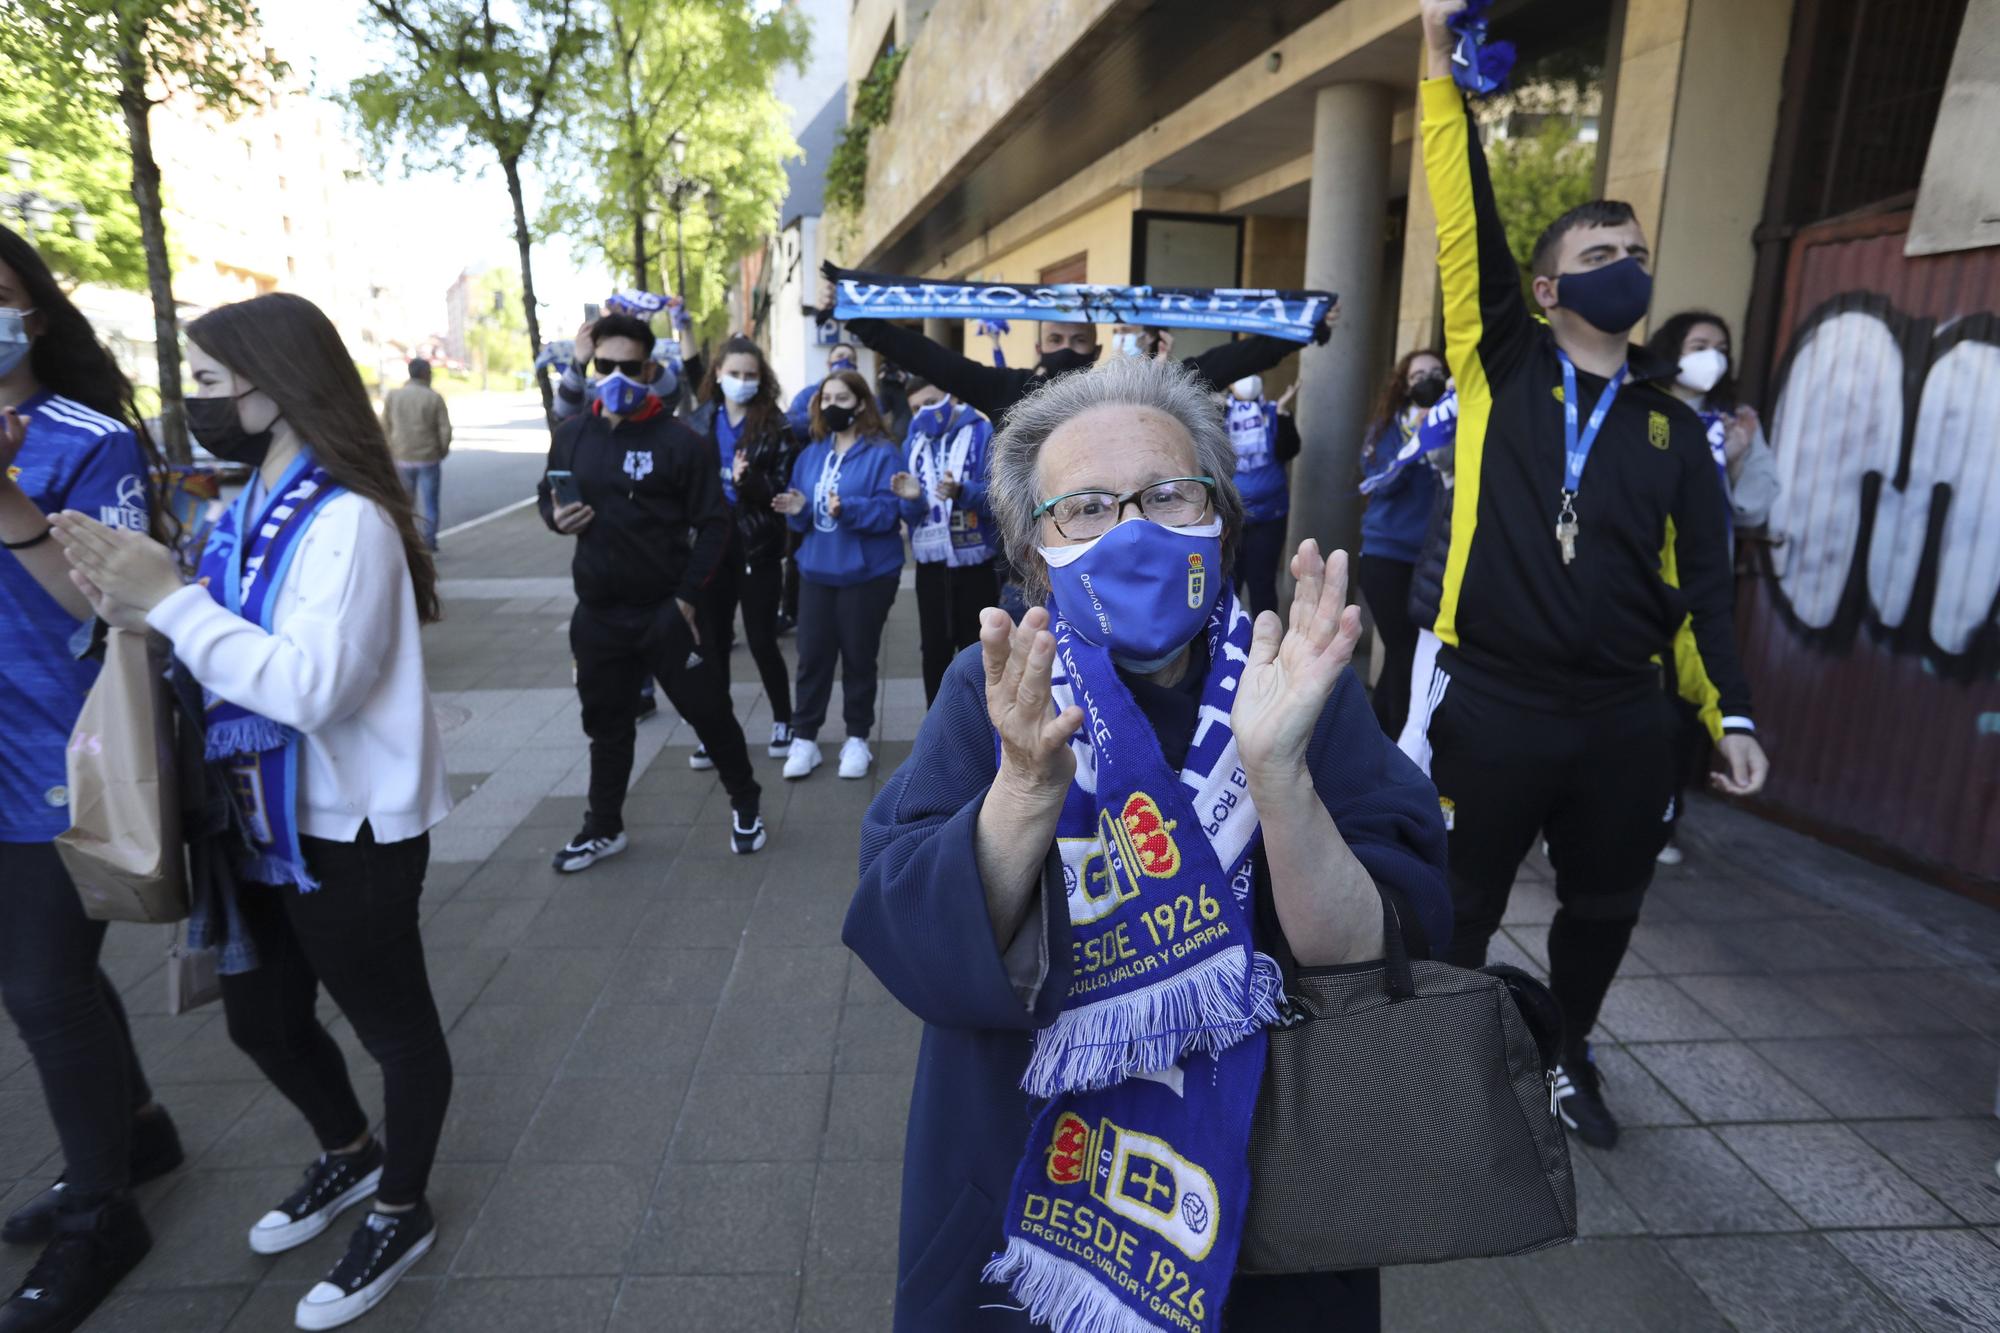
(1581, 543)
(651, 528)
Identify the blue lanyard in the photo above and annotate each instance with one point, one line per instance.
(1576, 447)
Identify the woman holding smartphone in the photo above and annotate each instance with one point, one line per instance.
(302, 628)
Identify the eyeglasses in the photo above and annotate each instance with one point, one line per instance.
(605, 366)
(1177, 502)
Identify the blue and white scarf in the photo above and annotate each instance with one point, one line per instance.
(1127, 1210)
(949, 439)
(1438, 428)
(258, 759)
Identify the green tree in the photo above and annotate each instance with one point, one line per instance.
(75, 156)
(677, 160)
(1536, 179)
(462, 75)
(496, 333)
(128, 56)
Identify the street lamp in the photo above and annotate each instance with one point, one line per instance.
(677, 148)
(36, 210)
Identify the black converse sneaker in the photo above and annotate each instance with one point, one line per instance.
(156, 1150)
(382, 1249)
(1579, 1096)
(92, 1248)
(334, 1183)
(746, 831)
(586, 849)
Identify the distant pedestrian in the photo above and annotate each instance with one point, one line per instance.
(943, 490)
(419, 428)
(1265, 438)
(849, 565)
(304, 628)
(66, 440)
(651, 528)
(1394, 523)
(839, 357)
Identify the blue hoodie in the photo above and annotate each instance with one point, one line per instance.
(969, 536)
(863, 542)
(1398, 515)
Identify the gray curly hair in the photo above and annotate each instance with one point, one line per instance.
(1170, 387)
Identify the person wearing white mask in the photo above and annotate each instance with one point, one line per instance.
(1265, 439)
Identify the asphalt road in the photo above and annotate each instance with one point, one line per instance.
(498, 445)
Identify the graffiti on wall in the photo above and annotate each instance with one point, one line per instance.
(1886, 436)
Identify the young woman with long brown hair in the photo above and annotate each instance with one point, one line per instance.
(302, 628)
(67, 439)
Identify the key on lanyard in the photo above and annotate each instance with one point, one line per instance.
(1576, 448)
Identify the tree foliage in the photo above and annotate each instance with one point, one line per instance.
(495, 330)
(701, 70)
(1536, 179)
(76, 155)
(474, 76)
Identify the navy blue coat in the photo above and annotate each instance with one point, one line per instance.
(919, 922)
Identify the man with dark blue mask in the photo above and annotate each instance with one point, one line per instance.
(1586, 539)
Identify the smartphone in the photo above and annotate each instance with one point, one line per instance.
(563, 487)
(591, 311)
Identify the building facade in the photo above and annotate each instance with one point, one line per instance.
(1775, 152)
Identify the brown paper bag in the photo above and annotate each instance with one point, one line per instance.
(123, 847)
(191, 976)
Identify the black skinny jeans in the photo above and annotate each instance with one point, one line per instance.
(758, 589)
(356, 934)
(69, 1015)
(1385, 584)
(1259, 555)
(840, 627)
(949, 600)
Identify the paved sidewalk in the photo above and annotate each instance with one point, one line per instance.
(680, 1102)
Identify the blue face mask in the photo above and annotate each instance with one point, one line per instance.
(14, 340)
(1141, 590)
(1612, 298)
(619, 395)
(841, 363)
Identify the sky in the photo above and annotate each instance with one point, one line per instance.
(461, 223)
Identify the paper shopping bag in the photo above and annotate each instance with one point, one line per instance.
(191, 976)
(123, 848)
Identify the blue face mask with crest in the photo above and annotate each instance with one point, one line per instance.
(1141, 591)
(618, 394)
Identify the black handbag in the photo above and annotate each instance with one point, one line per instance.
(1407, 1117)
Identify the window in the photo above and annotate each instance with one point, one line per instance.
(1073, 269)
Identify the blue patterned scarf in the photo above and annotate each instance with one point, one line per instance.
(1128, 1207)
(258, 759)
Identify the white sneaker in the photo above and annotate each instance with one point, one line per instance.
(781, 740)
(699, 760)
(803, 758)
(855, 758)
(1670, 855)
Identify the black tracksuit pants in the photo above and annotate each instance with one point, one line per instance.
(1597, 785)
(357, 935)
(757, 589)
(949, 600)
(615, 648)
(840, 627)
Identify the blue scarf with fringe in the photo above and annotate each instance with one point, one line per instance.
(1128, 1207)
(258, 759)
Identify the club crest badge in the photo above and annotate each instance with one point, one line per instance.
(1197, 580)
(1656, 429)
(638, 464)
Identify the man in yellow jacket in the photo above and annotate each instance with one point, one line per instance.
(419, 428)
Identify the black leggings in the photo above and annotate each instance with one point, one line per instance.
(758, 588)
(949, 600)
(1385, 583)
(1258, 557)
(356, 934)
(840, 627)
(69, 1016)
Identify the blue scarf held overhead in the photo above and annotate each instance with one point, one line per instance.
(1127, 1209)
(1281, 314)
(1478, 65)
(258, 759)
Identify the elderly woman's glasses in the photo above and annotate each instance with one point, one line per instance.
(1177, 502)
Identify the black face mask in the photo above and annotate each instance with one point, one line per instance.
(220, 431)
(1064, 360)
(1426, 392)
(837, 419)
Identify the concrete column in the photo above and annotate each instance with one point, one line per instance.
(939, 331)
(1344, 239)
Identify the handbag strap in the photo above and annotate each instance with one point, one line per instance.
(1395, 955)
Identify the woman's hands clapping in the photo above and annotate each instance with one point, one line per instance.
(1035, 757)
(1292, 672)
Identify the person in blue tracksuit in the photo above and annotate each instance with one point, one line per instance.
(1394, 523)
(849, 564)
(1265, 439)
(943, 491)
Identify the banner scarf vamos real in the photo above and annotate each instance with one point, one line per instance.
(1127, 1210)
(1289, 315)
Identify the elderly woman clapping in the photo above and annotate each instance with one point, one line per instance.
(1124, 820)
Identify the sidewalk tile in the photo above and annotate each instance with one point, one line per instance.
(725, 1218)
(766, 1304)
(866, 1117)
(802, 976)
(1532, 902)
(626, 1121)
(751, 1118)
(271, 1304)
(796, 919)
(878, 1039)
(1694, 946)
(1686, 1181)
(759, 1038)
(1628, 1285)
(847, 1302)
(1953, 1159)
(1832, 1178)
(522, 1305)
(199, 1228)
(1655, 1009)
(575, 921)
(647, 1040)
(1961, 1069)
(1785, 1284)
(554, 1220)
(1945, 1280)
(676, 922)
(186, 1310)
(1852, 1079)
(551, 976)
(668, 976)
(1726, 1080)
(514, 1038)
(1455, 1297)
(1880, 1003)
(1638, 1099)
(1761, 1006)
(1600, 1209)
(854, 1218)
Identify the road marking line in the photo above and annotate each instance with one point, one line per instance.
(471, 523)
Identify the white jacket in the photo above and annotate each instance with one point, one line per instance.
(343, 666)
